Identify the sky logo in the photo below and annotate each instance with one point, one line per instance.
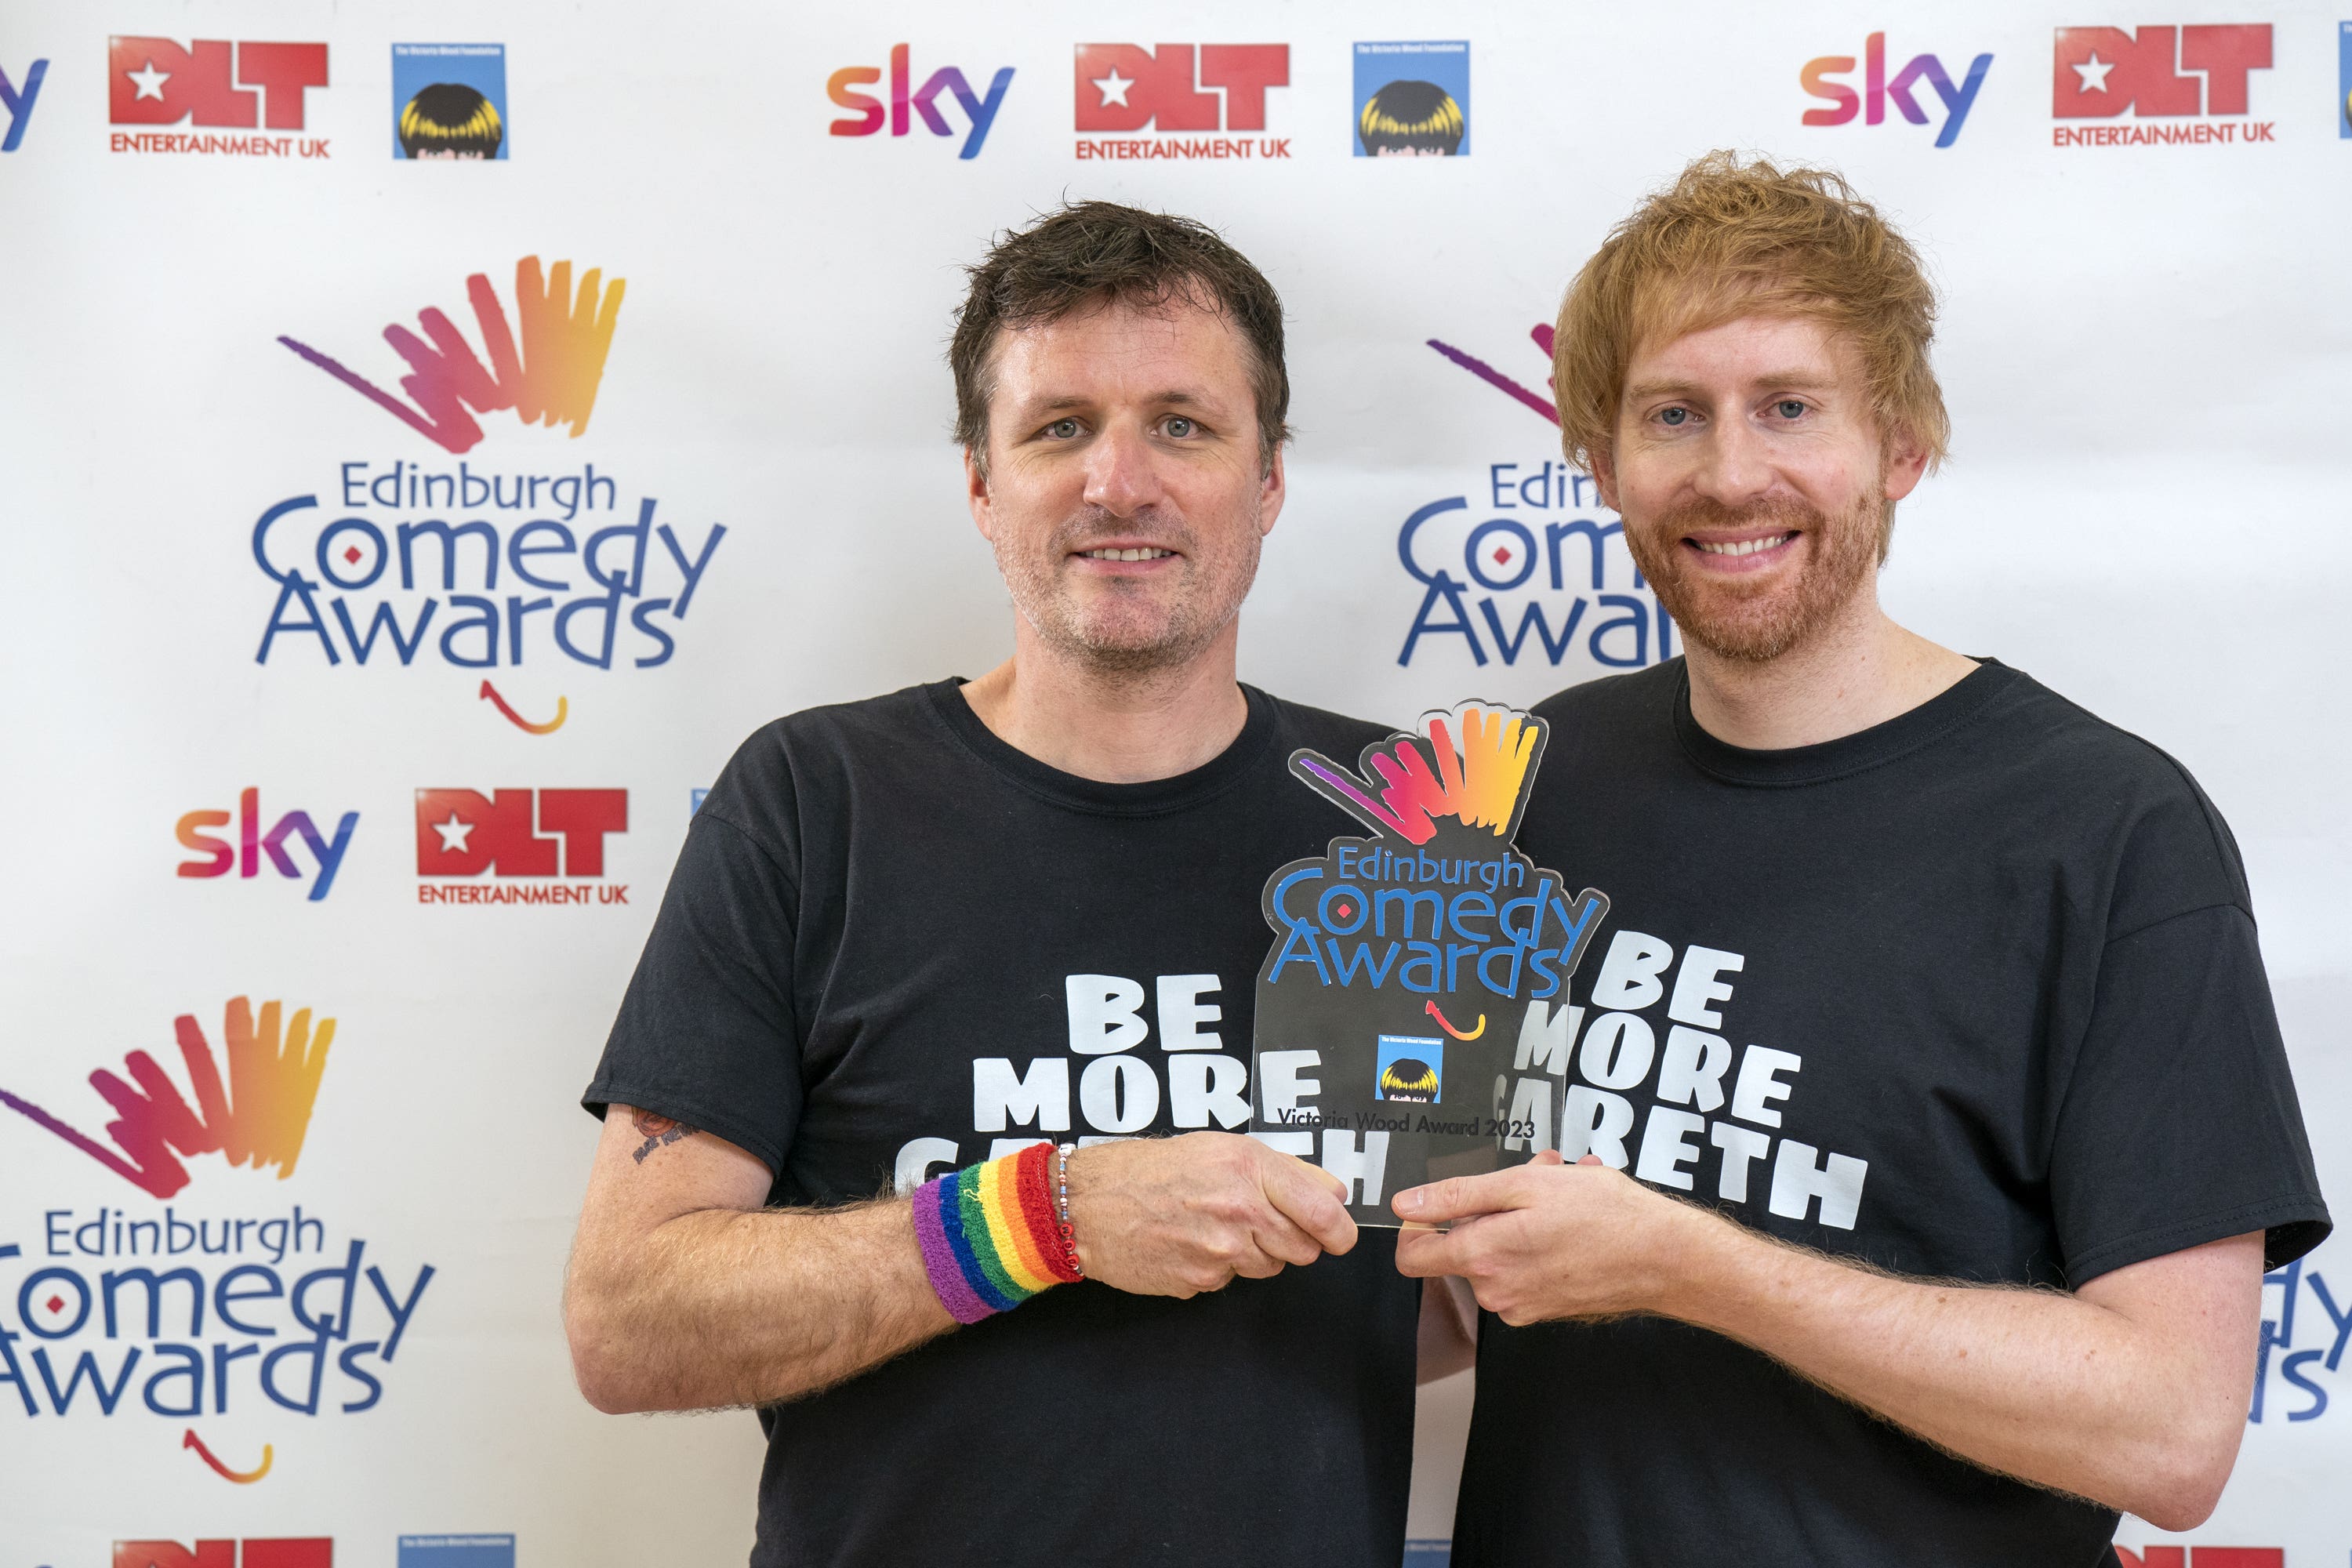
(1819, 79)
(245, 853)
(18, 103)
(980, 112)
(550, 381)
(258, 1115)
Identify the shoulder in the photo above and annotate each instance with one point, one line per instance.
(2059, 743)
(1335, 735)
(2171, 850)
(806, 760)
(1615, 699)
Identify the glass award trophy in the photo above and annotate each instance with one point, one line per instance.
(1412, 1017)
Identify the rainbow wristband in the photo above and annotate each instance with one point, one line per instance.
(989, 1235)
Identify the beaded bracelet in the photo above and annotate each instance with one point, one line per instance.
(990, 1236)
(1062, 1213)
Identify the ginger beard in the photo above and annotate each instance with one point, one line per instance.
(1132, 625)
(1757, 619)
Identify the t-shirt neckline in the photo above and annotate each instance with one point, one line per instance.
(1069, 791)
(1848, 754)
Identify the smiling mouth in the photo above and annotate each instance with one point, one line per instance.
(1145, 554)
(1744, 546)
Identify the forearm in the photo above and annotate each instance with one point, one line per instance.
(722, 1307)
(2043, 1385)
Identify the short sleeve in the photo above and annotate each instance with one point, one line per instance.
(2179, 1124)
(707, 1032)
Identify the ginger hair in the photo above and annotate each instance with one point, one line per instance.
(1732, 239)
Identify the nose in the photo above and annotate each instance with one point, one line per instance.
(1736, 468)
(1122, 475)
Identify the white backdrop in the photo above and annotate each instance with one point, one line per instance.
(2145, 348)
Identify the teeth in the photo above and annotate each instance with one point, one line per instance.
(1126, 554)
(1746, 546)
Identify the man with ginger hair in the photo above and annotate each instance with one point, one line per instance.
(1930, 1130)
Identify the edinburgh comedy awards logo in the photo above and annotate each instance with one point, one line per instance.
(1526, 563)
(399, 557)
(170, 1305)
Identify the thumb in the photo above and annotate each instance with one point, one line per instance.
(1337, 1186)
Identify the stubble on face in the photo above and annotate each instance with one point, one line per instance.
(1757, 620)
(1124, 626)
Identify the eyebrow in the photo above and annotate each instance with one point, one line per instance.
(1184, 399)
(1809, 380)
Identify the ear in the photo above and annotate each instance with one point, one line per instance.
(1271, 490)
(1605, 478)
(1904, 464)
(975, 485)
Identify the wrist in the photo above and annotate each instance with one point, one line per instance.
(988, 1235)
(1065, 1196)
(1697, 1255)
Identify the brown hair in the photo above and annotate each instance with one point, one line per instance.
(1092, 253)
(1731, 239)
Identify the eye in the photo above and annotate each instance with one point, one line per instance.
(1179, 426)
(1673, 418)
(1790, 408)
(1063, 429)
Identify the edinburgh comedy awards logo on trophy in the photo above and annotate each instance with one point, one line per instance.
(1411, 1015)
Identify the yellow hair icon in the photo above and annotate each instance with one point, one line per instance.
(448, 120)
(1412, 117)
(1409, 1077)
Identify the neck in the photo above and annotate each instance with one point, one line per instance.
(1859, 670)
(1114, 727)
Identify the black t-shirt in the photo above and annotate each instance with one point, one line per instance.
(894, 945)
(1973, 995)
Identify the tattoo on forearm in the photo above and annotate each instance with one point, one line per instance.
(658, 1130)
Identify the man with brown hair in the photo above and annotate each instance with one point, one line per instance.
(1934, 1000)
(910, 937)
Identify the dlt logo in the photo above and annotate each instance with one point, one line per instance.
(1819, 79)
(284, 1552)
(923, 101)
(244, 855)
(460, 834)
(18, 103)
(2098, 72)
(1123, 87)
(154, 82)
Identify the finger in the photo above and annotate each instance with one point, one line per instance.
(1277, 1236)
(1256, 1263)
(1454, 1197)
(1426, 1254)
(1306, 1195)
(1590, 1160)
(1339, 1188)
(1553, 1157)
